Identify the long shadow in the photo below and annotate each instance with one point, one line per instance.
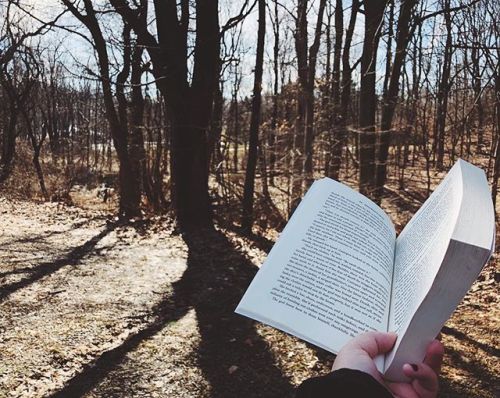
(44, 236)
(166, 311)
(24, 270)
(214, 281)
(46, 268)
(462, 336)
(216, 278)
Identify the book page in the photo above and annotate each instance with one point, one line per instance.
(328, 277)
(421, 247)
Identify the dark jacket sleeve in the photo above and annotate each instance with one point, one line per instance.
(342, 383)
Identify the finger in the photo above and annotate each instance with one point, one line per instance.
(424, 379)
(434, 355)
(374, 343)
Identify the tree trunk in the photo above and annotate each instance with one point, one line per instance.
(390, 97)
(374, 11)
(129, 197)
(340, 139)
(39, 173)
(443, 91)
(248, 199)
(189, 105)
(236, 130)
(476, 83)
(274, 116)
(216, 129)
(136, 137)
(309, 100)
(301, 47)
(496, 172)
(191, 120)
(8, 146)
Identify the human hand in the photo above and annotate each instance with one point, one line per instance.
(359, 353)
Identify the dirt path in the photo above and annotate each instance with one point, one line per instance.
(95, 309)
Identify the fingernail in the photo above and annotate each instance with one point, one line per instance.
(414, 367)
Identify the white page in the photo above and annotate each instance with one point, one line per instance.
(421, 247)
(328, 277)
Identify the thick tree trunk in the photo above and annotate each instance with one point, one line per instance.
(191, 111)
(374, 11)
(189, 165)
(337, 54)
(248, 193)
(304, 135)
(128, 151)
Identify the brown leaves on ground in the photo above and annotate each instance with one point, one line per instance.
(92, 308)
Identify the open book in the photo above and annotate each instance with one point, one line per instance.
(338, 269)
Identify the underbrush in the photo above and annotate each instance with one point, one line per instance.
(62, 179)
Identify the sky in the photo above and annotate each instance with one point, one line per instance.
(78, 54)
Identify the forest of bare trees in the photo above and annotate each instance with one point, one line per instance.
(151, 152)
(351, 89)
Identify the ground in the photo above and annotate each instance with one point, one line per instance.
(94, 308)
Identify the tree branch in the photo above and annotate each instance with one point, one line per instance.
(233, 21)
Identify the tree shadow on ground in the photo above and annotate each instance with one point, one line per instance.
(44, 269)
(44, 236)
(462, 336)
(478, 373)
(259, 241)
(215, 279)
(83, 382)
(450, 389)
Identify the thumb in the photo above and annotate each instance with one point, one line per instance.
(374, 343)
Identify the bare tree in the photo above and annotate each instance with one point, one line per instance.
(189, 100)
(274, 116)
(130, 192)
(444, 88)
(249, 188)
(342, 115)
(13, 37)
(390, 95)
(306, 62)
